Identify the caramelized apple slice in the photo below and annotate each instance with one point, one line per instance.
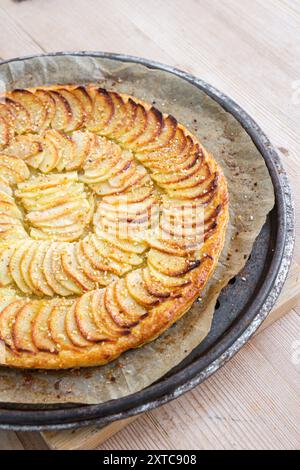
(21, 118)
(119, 316)
(57, 322)
(202, 190)
(59, 272)
(165, 280)
(85, 321)
(73, 331)
(7, 319)
(138, 125)
(169, 126)
(98, 276)
(63, 113)
(166, 179)
(50, 263)
(83, 144)
(156, 288)
(41, 335)
(133, 310)
(118, 117)
(22, 327)
(137, 289)
(85, 99)
(65, 148)
(34, 107)
(128, 120)
(171, 265)
(75, 106)
(151, 132)
(49, 106)
(102, 319)
(97, 260)
(73, 271)
(24, 146)
(38, 184)
(103, 110)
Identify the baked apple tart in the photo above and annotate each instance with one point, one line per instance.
(112, 220)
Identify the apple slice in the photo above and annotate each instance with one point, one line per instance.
(152, 131)
(166, 179)
(36, 184)
(128, 120)
(98, 248)
(114, 310)
(15, 266)
(25, 146)
(34, 107)
(57, 326)
(65, 148)
(77, 112)
(73, 331)
(22, 327)
(85, 321)
(63, 113)
(21, 117)
(115, 253)
(83, 142)
(6, 254)
(41, 335)
(49, 106)
(169, 127)
(155, 287)
(4, 186)
(138, 124)
(123, 244)
(73, 271)
(4, 133)
(36, 273)
(202, 190)
(85, 99)
(99, 260)
(103, 319)
(25, 263)
(59, 272)
(133, 310)
(165, 280)
(137, 194)
(118, 117)
(171, 265)
(13, 169)
(194, 178)
(137, 289)
(7, 115)
(51, 260)
(7, 319)
(103, 110)
(140, 176)
(173, 247)
(98, 276)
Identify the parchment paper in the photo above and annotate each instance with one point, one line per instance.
(251, 198)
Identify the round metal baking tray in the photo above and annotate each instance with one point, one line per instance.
(234, 320)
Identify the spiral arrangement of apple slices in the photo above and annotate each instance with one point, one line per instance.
(95, 258)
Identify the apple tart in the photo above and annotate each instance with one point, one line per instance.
(112, 220)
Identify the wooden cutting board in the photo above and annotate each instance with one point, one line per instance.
(91, 437)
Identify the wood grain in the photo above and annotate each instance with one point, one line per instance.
(251, 51)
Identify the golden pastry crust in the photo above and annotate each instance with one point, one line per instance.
(112, 220)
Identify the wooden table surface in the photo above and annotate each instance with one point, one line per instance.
(251, 51)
